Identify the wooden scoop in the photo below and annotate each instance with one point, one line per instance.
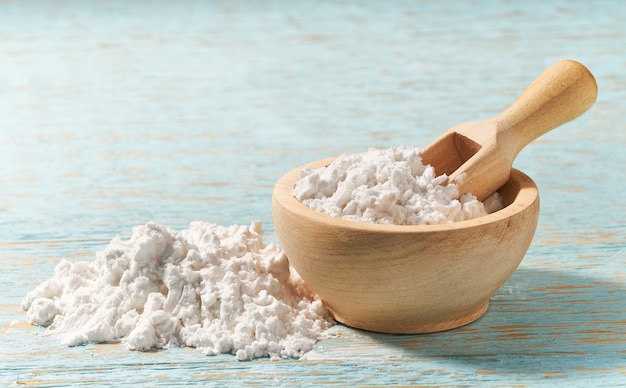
(478, 155)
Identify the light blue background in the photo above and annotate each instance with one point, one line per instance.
(115, 113)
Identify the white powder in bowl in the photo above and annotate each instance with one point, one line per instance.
(389, 186)
(219, 289)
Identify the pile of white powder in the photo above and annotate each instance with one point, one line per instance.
(219, 289)
(389, 186)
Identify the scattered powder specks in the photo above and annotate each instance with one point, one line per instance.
(389, 186)
(219, 289)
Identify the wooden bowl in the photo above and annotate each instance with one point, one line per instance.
(406, 279)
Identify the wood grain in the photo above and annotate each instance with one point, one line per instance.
(478, 155)
(116, 113)
(406, 279)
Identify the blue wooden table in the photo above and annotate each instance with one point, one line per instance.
(116, 113)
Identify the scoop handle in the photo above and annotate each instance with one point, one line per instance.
(561, 93)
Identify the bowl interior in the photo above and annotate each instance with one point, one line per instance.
(519, 190)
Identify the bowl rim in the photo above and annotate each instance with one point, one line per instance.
(282, 193)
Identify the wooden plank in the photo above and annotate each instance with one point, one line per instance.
(116, 113)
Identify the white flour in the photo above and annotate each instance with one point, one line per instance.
(389, 186)
(220, 289)
(216, 288)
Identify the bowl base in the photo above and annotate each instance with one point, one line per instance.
(419, 327)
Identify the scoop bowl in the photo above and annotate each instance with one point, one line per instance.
(406, 279)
